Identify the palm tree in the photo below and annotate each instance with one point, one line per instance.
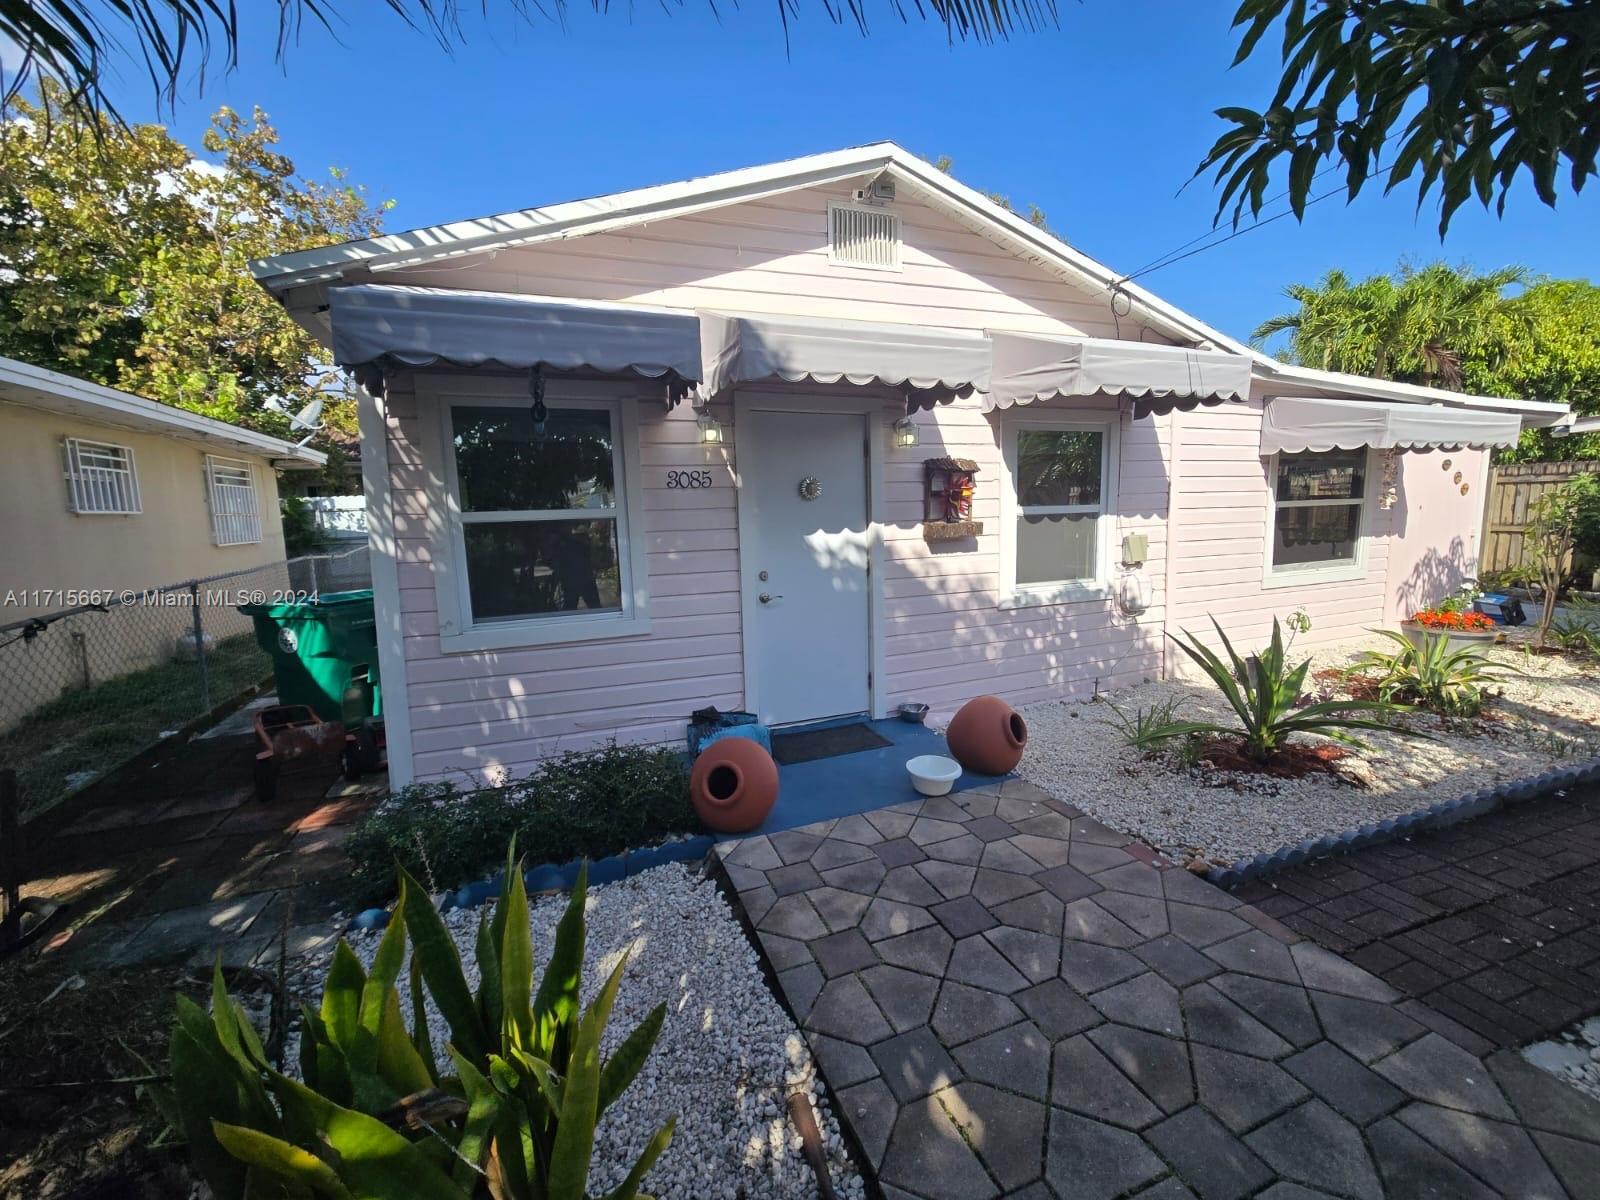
(70, 40)
(1415, 326)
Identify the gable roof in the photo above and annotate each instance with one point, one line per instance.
(34, 387)
(291, 276)
(368, 259)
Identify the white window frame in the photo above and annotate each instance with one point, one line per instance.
(1109, 426)
(232, 525)
(1334, 570)
(458, 632)
(99, 490)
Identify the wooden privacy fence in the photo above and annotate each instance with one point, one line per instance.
(1513, 487)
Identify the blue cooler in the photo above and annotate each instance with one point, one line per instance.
(1501, 608)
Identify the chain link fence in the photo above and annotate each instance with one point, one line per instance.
(86, 687)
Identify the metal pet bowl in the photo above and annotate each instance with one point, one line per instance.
(913, 714)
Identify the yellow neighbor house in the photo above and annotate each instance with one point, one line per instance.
(102, 489)
(107, 502)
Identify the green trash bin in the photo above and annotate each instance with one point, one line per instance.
(324, 654)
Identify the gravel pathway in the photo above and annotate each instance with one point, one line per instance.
(1076, 751)
(727, 1057)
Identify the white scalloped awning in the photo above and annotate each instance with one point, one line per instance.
(417, 326)
(1158, 378)
(937, 364)
(1293, 423)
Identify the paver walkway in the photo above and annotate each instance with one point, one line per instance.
(1009, 998)
(1495, 922)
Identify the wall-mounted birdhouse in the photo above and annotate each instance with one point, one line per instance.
(948, 486)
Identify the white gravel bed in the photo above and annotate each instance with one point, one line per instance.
(1572, 1056)
(728, 1055)
(1547, 718)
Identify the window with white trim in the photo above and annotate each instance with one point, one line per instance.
(541, 529)
(231, 490)
(1062, 482)
(1319, 498)
(100, 478)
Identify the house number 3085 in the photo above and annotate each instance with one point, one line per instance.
(688, 479)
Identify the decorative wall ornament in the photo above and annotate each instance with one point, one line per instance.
(947, 493)
(810, 487)
(1465, 487)
(1456, 478)
(1445, 465)
(1391, 481)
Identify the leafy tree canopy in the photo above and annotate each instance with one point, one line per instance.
(179, 42)
(1467, 96)
(1499, 333)
(125, 259)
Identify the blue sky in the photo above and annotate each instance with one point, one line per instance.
(1099, 122)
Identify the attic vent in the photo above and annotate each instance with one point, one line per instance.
(863, 237)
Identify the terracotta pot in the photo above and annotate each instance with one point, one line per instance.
(733, 785)
(987, 736)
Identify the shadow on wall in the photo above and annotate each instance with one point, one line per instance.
(1432, 577)
(947, 637)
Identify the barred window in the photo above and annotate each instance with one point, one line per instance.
(231, 487)
(100, 478)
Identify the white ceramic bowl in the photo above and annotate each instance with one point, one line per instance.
(933, 774)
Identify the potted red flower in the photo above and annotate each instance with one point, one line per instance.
(1465, 628)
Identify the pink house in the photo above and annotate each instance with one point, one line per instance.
(692, 445)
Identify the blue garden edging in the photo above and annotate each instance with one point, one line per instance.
(1435, 816)
(550, 877)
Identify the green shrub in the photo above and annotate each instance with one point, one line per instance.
(1432, 676)
(582, 804)
(1266, 700)
(1579, 631)
(506, 1111)
(1148, 728)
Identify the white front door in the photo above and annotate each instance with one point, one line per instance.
(804, 563)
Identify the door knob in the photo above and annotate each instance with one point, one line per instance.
(768, 597)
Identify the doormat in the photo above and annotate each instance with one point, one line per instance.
(808, 745)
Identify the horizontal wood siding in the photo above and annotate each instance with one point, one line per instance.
(1221, 541)
(946, 639)
(490, 715)
(772, 256)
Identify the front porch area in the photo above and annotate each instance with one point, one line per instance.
(843, 785)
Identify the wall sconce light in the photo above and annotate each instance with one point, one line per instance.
(710, 428)
(905, 433)
(536, 389)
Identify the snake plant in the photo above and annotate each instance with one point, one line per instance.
(506, 1110)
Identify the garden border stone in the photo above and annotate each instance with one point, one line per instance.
(1436, 816)
(552, 877)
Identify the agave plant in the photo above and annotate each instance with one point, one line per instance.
(1430, 674)
(1264, 695)
(509, 1114)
